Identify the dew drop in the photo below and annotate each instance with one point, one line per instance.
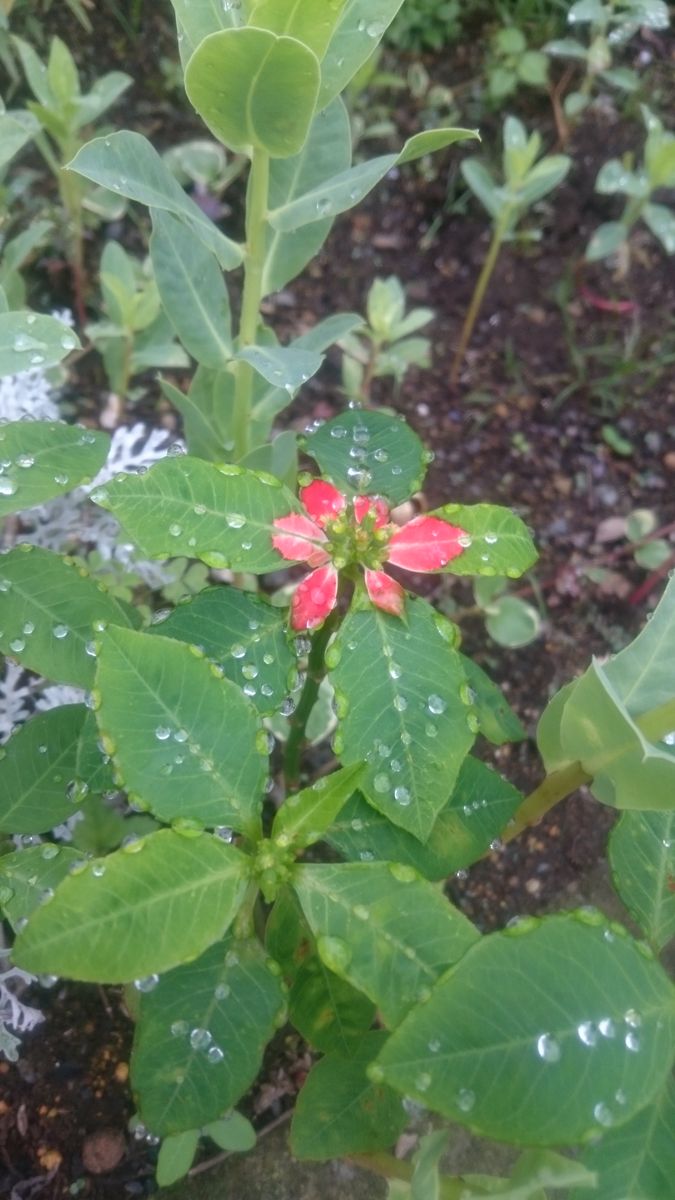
(466, 1100)
(436, 705)
(148, 984)
(162, 733)
(548, 1048)
(200, 1039)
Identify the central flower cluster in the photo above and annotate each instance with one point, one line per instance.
(337, 533)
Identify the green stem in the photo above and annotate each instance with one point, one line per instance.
(256, 245)
(654, 724)
(316, 670)
(477, 300)
(71, 198)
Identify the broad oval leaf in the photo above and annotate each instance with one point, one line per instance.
(642, 674)
(192, 289)
(126, 163)
(340, 1111)
(365, 450)
(28, 876)
(498, 722)
(16, 130)
(383, 929)
(196, 19)
(187, 744)
(401, 690)
(46, 459)
(500, 542)
(477, 812)
(642, 858)
(142, 910)
(635, 1162)
(49, 611)
(596, 730)
(207, 410)
(201, 1035)
(311, 22)
(176, 1155)
(183, 506)
(47, 769)
(328, 150)
(244, 635)
(541, 1035)
(362, 26)
(30, 340)
(284, 367)
(254, 89)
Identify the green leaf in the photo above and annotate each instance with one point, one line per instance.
(642, 858)
(192, 290)
(283, 366)
(29, 340)
(196, 19)
(511, 622)
(483, 185)
(597, 730)
(185, 507)
(244, 635)
(126, 163)
(207, 412)
(401, 690)
(201, 1035)
(253, 89)
(15, 133)
(534, 1032)
(606, 240)
(269, 401)
(388, 457)
(47, 458)
(328, 150)
(48, 767)
(500, 542)
(661, 221)
(305, 816)
(533, 68)
(28, 876)
(534, 1170)
(187, 747)
(347, 188)
(425, 1183)
(340, 1111)
(498, 722)
(477, 812)
(49, 612)
(308, 21)
(104, 93)
(635, 1161)
(62, 77)
(144, 909)
(642, 673)
(654, 554)
(34, 70)
(362, 25)
(328, 1012)
(383, 929)
(233, 1133)
(176, 1155)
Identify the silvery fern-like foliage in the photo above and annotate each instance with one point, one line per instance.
(14, 1014)
(28, 394)
(15, 699)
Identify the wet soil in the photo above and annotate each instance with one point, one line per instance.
(547, 370)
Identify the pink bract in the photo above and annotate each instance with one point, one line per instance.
(315, 598)
(425, 544)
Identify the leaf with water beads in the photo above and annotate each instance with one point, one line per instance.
(244, 635)
(369, 451)
(189, 745)
(30, 340)
(201, 1035)
(48, 768)
(30, 876)
(496, 541)
(498, 722)
(382, 928)
(340, 1111)
(43, 459)
(142, 910)
(542, 1034)
(477, 812)
(283, 366)
(404, 711)
(51, 611)
(184, 506)
(305, 817)
(635, 1161)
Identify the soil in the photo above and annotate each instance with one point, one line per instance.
(547, 370)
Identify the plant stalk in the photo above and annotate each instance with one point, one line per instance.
(256, 218)
(477, 299)
(654, 724)
(316, 670)
(389, 1167)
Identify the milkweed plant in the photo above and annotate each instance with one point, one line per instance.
(239, 882)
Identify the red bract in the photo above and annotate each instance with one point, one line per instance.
(335, 533)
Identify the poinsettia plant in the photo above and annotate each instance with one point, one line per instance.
(228, 876)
